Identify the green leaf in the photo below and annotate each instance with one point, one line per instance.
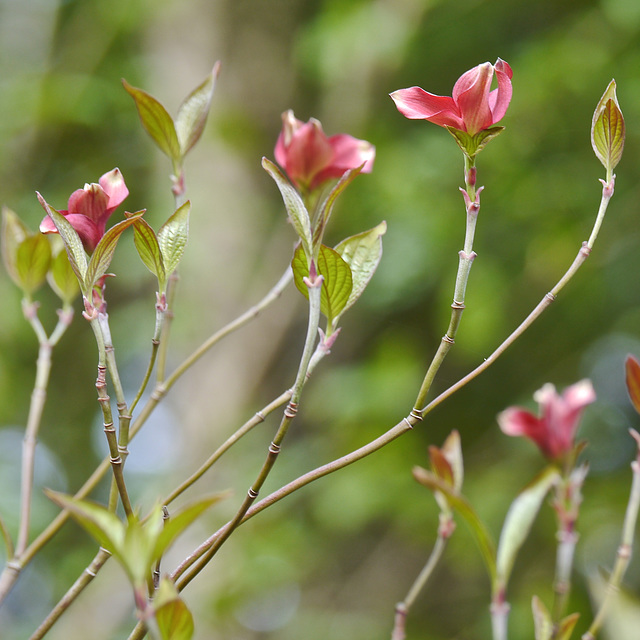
(327, 206)
(103, 253)
(103, 525)
(12, 233)
(72, 244)
(156, 121)
(193, 112)
(458, 502)
(472, 145)
(173, 618)
(178, 522)
(144, 237)
(173, 236)
(62, 279)
(542, 623)
(608, 129)
(33, 259)
(298, 213)
(362, 253)
(337, 283)
(519, 520)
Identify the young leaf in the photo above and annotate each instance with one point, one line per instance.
(337, 283)
(193, 112)
(62, 279)
(173, 236)
(458, 502)
(103, 253)
(298, 213)
(177, 523)
(608, 129)
(146, 243)
(327, 206)
(173, 618)
(32, 261)
(542, 623)
(12, 233)
(362, 253)
(566, 626)
(156, 121)
(632, 370)
(519, 520)
(470, 145)
(103, 525)
(72, 244)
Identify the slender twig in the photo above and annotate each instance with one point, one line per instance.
(172, 285)
(256, 419)
(466, 258)
(9, 575)
(625, 548)
(407, 423)
(36, 407)
(147, 375)
(314, 286)
(402, 608)
(85, 578)
(567, 500)
(96, 563)
(109, 429)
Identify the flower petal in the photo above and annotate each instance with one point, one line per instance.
(417, 104)
(500, 98)
(307, 153)
(114, 186)
(91, 201)
(471, 95)
(349, 153)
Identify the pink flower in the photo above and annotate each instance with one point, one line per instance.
(473, 106)
(90, 208)
(310, 158)
(554, 432)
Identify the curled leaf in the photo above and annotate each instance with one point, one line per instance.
(608, 129)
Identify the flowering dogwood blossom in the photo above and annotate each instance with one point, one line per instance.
(554, 431)
(310, 158)
(472, 107)
(89, 208)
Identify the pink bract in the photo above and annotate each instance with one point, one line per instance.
(89, 208)
(555, 429)
(310, 158)
(472, 107)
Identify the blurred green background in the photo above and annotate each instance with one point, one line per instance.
(331, 561)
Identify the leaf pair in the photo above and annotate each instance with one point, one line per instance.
(161, 253)
(30, 259)
(136, 545)
(176, 137)
(346, 271)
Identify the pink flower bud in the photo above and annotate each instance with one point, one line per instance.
(90, 207)
(554, 431)
(310, 158)
(472, 107)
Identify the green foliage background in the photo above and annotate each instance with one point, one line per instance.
(331, 561)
